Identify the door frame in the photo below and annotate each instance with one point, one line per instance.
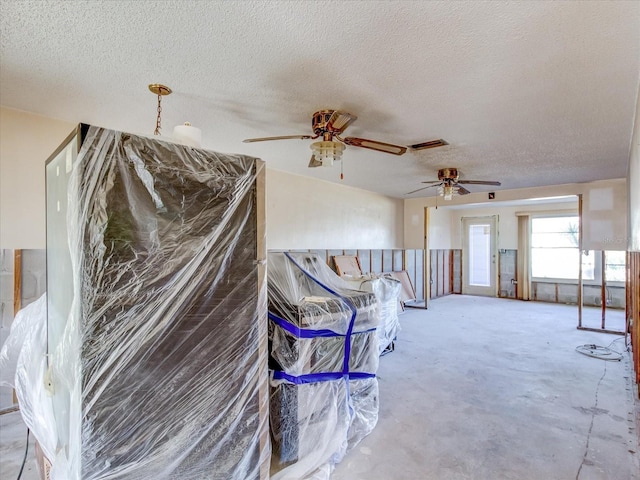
(493, 219)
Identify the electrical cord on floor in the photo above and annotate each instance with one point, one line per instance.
(24, 460)
(596, 351)
(602, 353)
(626, 347)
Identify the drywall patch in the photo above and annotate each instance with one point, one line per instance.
(601, 199)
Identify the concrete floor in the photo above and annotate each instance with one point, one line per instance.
(485, 389)
(13, 435)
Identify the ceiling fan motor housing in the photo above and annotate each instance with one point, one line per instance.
(320, 123)
(448, 174)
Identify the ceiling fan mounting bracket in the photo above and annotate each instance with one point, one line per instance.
(448, 174)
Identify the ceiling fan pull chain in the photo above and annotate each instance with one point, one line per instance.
(341, 170)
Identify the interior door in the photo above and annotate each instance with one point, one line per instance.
(479, 256)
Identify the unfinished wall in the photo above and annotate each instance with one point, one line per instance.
(507, 259)
(445, 270)
(383, 261)
(33, 285)
(568, 294)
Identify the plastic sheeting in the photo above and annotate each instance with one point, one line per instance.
(323, 357)
(387, 291)
(23, 366)
(159, 366)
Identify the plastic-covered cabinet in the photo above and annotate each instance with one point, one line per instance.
(157, 328)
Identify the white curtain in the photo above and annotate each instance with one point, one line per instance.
(524, 257)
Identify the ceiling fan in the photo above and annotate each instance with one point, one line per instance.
(448, 183)
(329, 125)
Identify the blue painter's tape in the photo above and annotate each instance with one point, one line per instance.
(320, 377)
(308, 332)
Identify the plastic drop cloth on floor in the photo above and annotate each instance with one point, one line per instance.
(23, 367)
(387, 291)
(323, 359)
(158, 363)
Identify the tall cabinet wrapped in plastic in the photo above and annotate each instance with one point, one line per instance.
(157, 328)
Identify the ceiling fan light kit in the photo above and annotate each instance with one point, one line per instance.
(326, 152)
(448, 191)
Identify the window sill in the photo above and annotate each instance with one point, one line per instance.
(586, 283)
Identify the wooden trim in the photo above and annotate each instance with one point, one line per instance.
(603, 287)
(11, 409)
(427, 261)
(580, 260)
(628, 310)
(515, 275)
(633, 309)
(451, 270)
(17, 295)
(441, 258)
(263, 348)
(601, 330)
(549, 213)
(499, 272)
(17, 281)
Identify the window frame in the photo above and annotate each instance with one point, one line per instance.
(597, 264)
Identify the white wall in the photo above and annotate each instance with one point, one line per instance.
(604, 199)
(26, 141)
(633, 183)
(440, 229)
(301, 212)
(306, 213)
(507, 220)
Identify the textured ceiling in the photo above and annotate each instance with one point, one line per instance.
(528, 93)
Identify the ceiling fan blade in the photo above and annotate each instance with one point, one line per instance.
(339, 121)
(285, 137)
(375, 145)
(313, 162)
(433, 181)
(462, 190)
(423, 188)
(479, 182)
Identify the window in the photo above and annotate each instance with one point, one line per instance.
(615, 266)
(480, 255)
(554, 249)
